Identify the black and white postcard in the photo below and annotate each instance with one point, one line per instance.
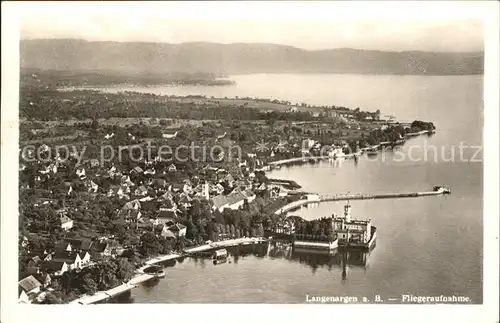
(251, 153)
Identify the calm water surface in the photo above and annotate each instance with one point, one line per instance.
(426, 246)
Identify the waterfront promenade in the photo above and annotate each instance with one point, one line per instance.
(304, 159)
(141, 276)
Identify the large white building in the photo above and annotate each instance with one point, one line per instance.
(349, 230)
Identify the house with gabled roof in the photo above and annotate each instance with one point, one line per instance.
(33, 264)
(91, 186)
(85, 257)
(229, 179)
(69, 244)
(232, 201)
(76, 244)
(170, 214)
(132, 205)
(149, 205)
(176, 187)
(219, 202)
(150, 171)
(179, 230)
(116, 190)
(30, 285)
(236, 200)
(52, 168)
(217, 189)
(56, 268)
(147, 199)
(187, 188)
(166, 196)
(159, 183)
(66, 222)
(168, 204)
(262, 187)
(72, 259)
(185, 200)
(125, 180)
(45, 279)
(63, 246)
(141, 191)
(166, 233)
(249, 195)
(132, 215)
(80, 172)
(137, 170)
(102, 248)
(169, 135)
(112, 171)
(94, 163)
(22, 296)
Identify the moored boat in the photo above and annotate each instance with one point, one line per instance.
(219, 255)
(155, 270)
(160, 274)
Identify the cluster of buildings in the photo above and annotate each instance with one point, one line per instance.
(68, 254)
(151, 193)
(145, 194)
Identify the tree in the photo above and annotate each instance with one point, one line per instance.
(125, 269)
(89, 286)
(56, 297)
(95, 124)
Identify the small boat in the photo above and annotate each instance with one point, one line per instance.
(160, 274)
(220, 254)
(155, 270)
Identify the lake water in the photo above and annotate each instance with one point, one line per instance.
(427, 246)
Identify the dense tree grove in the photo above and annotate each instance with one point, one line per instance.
(100, 276)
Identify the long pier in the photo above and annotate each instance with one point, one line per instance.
(318, 198)
(331, 198)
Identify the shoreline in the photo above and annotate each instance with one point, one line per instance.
(141, 277)
(305, 159)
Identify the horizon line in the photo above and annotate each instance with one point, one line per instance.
(246, 43)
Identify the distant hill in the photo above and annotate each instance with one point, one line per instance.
(72, 54)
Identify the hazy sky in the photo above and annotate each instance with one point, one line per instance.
(434, 26)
